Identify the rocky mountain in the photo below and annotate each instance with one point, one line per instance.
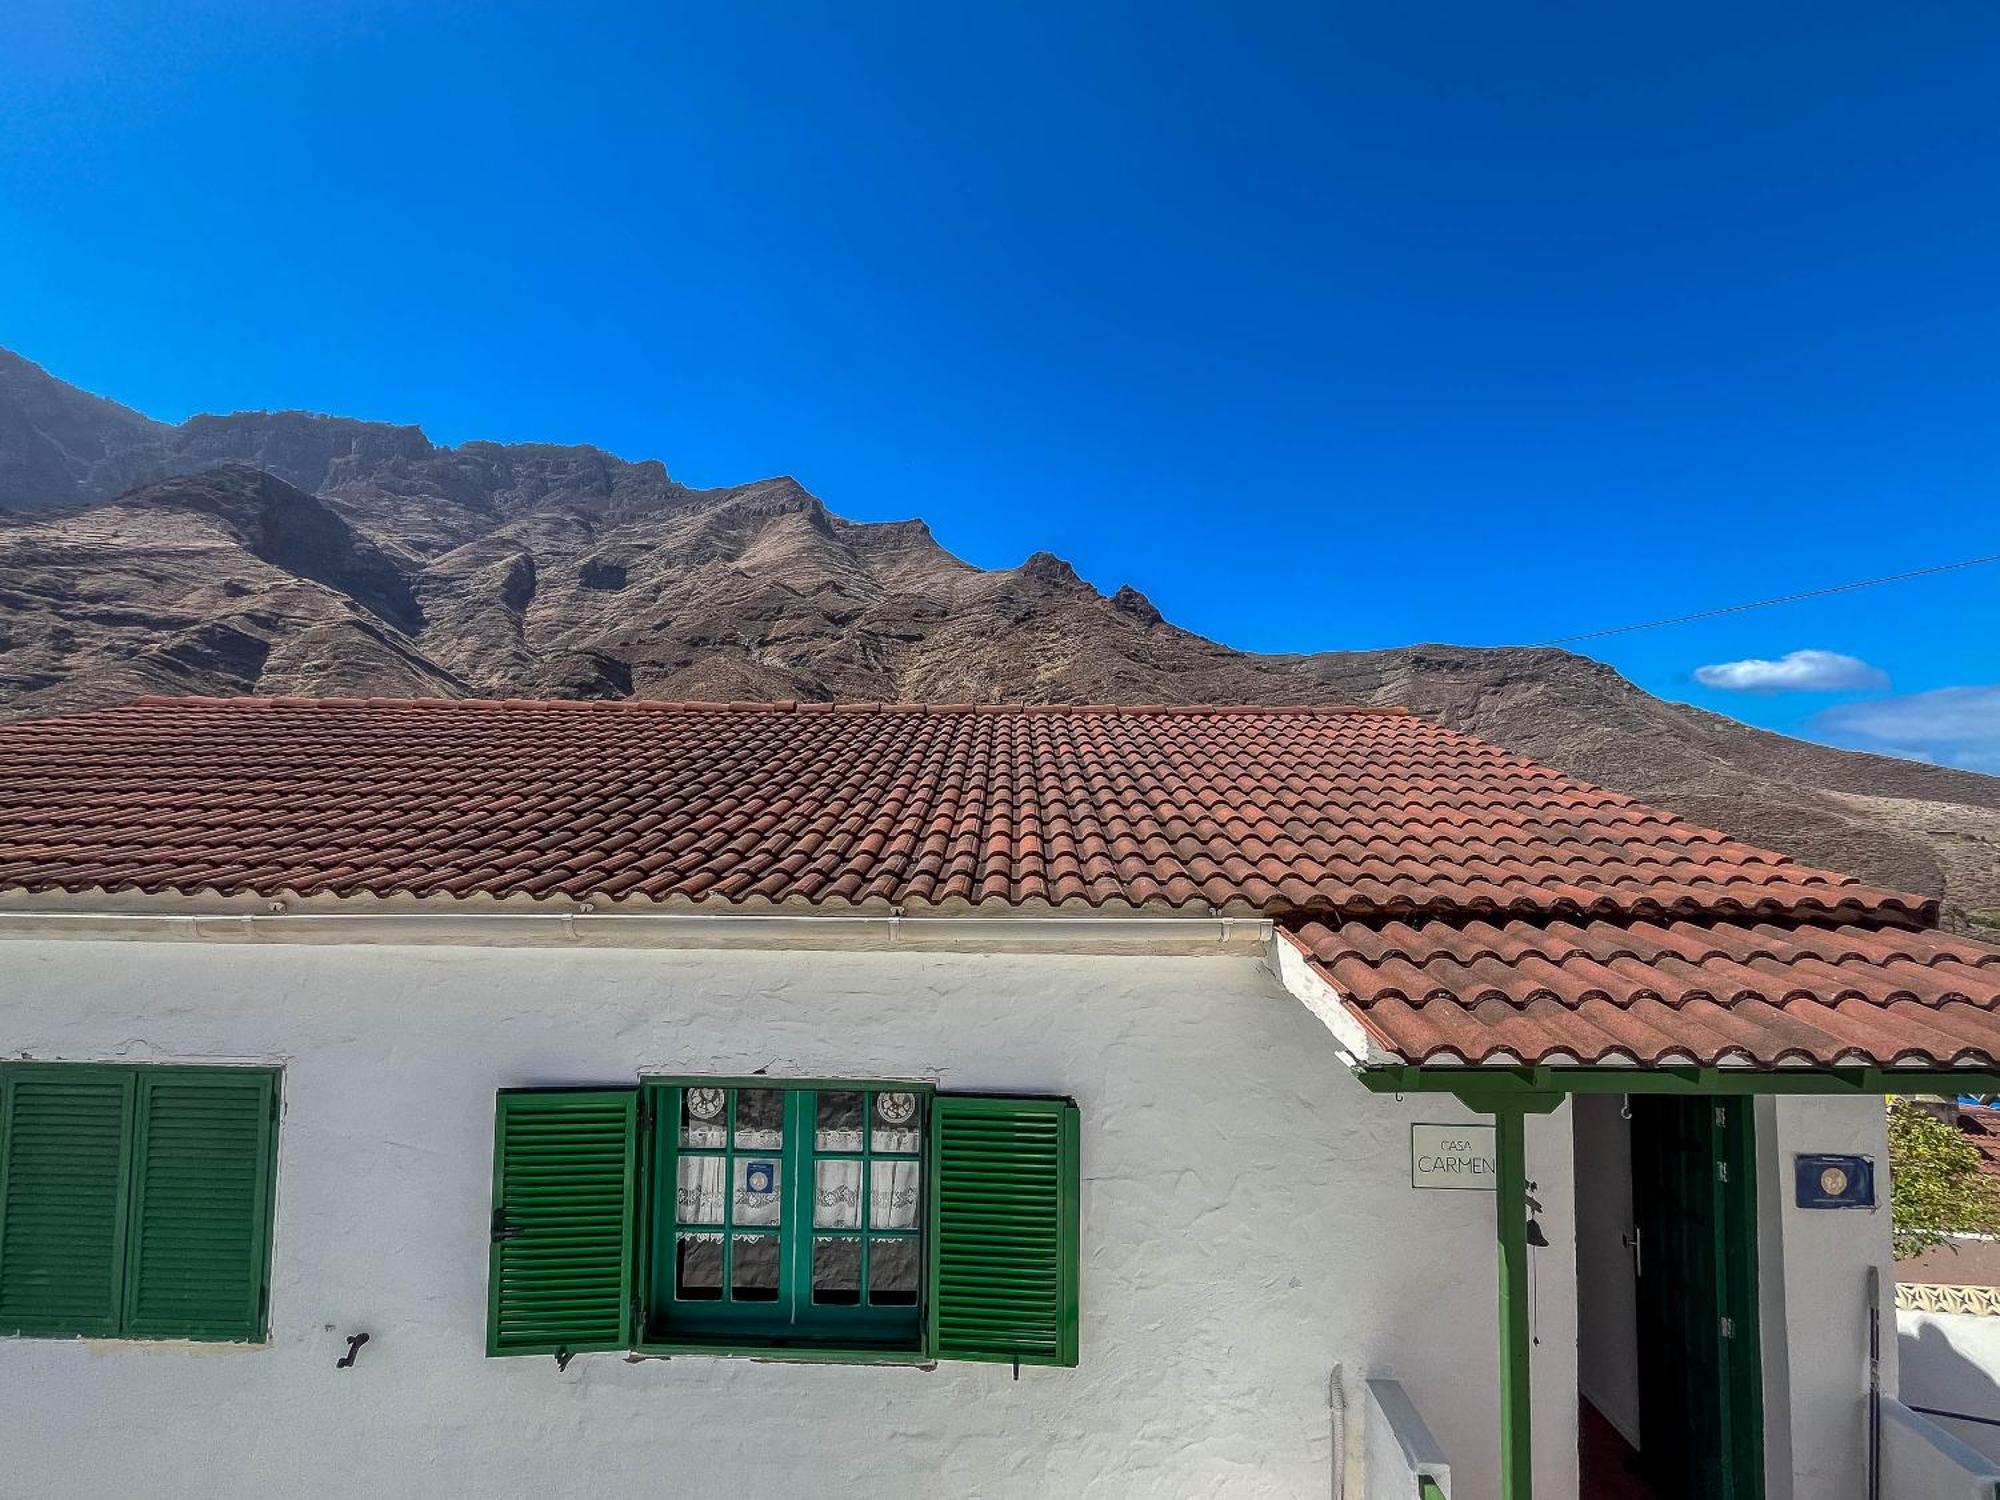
(285, 552)
(59, 445)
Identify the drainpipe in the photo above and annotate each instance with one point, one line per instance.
(1874, 1383)
(1510, 1205)
(1336, 1400)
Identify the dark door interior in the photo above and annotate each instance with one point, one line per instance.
(1700, 1374)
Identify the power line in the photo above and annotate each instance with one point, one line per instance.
(1737, 609)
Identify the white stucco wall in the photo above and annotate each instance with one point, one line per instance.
(1813, 1295)
(1607, 1353)
(1247, 1224)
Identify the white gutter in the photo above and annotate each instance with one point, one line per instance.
(1116, 933)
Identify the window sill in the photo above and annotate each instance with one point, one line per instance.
(168, 1343)
(810, 1354)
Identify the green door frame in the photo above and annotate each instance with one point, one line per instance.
(1510, 1094)
(1695, 1200)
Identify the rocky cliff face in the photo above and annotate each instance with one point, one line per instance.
(292, 553)
(60, 445)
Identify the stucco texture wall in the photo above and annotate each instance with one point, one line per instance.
(1813, 1299)
(1247, 1224)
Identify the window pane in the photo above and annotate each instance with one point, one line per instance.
(892, 1273)
(837, 1194)
(704, 1113)
(839, 1126)
(757, 1183)
(698, 1196)
(899, 1121)
(760, 1118)
(753, 1273)
(837, 1272)
(892, 1194)
(698, 1268)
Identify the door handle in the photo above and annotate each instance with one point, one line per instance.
(1638, 1259)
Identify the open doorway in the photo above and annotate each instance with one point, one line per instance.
(1669, 1371)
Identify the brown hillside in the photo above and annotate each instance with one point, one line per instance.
(288, 553)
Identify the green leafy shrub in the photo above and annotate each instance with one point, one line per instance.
(1937, 1184)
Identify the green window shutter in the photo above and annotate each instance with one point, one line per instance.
(201, 1204)
(1003, 1230)
(564, 1180)
(63, 1144)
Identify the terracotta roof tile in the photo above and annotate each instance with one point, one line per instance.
(1471, 904)
(1349, 812)
(1699, 992)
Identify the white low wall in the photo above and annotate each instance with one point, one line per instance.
(1247, 1224)
(1921, 1461)
(1951, 1362)
(1402, 1452)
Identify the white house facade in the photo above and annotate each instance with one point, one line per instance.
(482, 1191)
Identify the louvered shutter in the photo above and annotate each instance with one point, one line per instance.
(1003, 1230)
(201, 1204)
(564, 1180)
(63, 1142)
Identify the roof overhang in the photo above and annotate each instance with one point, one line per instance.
(1307, 983)
(1504, 1080)
(1486, 1087)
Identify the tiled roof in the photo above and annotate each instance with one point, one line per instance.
(1700, 993)
(1357, 812)
(1980, 1124)
(1471, 904)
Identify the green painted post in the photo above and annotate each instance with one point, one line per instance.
(1510, 1205)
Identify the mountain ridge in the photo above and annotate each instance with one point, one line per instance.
(291, 552)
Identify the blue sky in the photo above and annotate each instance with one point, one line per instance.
(1324, 325)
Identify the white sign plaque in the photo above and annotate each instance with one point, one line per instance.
(1452, 1156)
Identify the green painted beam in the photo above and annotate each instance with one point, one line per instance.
(1532, 1104)
(1510, 1205)
(1519, 1084)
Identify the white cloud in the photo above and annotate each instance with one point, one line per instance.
(1796, 672)
(1955, 726)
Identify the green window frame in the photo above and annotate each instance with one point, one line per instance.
(136, 1201)
(854, 1219)
(830, 1255)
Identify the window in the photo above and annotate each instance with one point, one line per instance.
(135, 1202)
(787, 1214)
(868, 1219)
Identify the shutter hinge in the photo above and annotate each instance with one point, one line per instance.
(1721, 1117)
(1728, 1328)
(502, 1230)
(1722, 1171)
